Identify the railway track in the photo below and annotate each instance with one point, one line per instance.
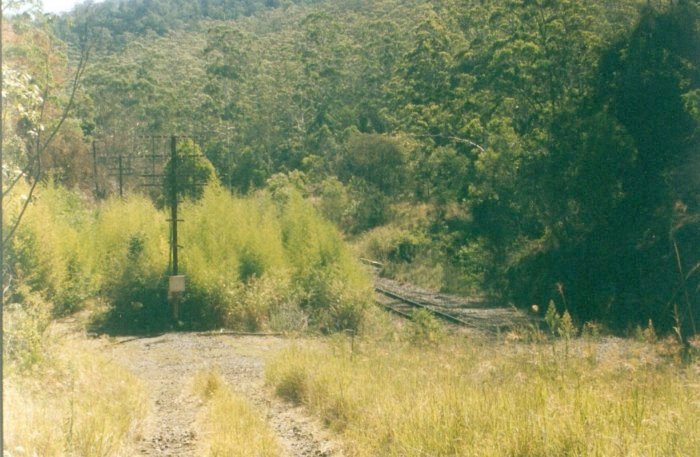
(404, 307)
(474, 315)
(477, 313)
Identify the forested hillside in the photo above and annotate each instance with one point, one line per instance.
(533, 150)
(190, 190)
(120, 20)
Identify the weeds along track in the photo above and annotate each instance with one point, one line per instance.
(474, 313)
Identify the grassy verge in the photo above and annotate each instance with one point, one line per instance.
(461, 397)
(232, 428)
(75, 403)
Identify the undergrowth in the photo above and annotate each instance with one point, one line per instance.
(72, 403)
(252, 263)
(258, 263)
(410, 252)
(464, 397)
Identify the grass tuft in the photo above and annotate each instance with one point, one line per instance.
(232, 428)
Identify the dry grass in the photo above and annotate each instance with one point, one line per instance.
(75, 403)
(470, 398)
(232, 427)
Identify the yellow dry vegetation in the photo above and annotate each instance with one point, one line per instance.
(231, 426)
(469, 397)
(74, 403)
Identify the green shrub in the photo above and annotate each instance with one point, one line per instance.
(329, 283)
(27, 316)
(256, 302)
(194, 172)
(424, 328)
(393, 244)
(131, 248)
(49, 252)
(263, 262)
(334, 201)
(369, 206)
(381, 160)
(234, 258)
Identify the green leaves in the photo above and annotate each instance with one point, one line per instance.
(191, 176)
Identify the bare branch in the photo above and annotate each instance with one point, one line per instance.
(25, 205)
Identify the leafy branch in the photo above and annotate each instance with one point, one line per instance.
(33, 171)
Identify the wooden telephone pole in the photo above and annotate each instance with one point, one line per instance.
(173, 203)
(176, 285)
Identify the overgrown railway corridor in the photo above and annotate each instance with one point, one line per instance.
(168, 364)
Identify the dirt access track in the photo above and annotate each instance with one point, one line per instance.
(167, 364)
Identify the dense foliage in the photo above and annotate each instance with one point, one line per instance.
(117, 21)
(259, 263)
(537, 150)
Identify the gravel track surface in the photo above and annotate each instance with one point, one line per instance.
(167, 365)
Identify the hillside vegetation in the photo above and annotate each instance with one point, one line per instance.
(537, 153)
(534, 150)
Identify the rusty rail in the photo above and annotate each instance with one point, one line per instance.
(415, 304)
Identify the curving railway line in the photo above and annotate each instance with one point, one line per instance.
(404, 307)
(476, 313)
